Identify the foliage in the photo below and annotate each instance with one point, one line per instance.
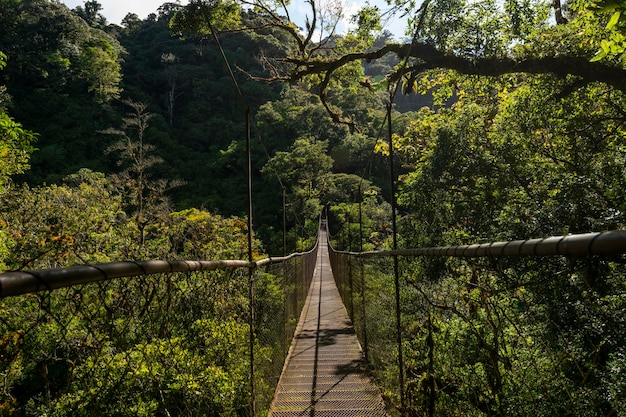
(516, 344)
(221, 14)
(146, 346)
(494, 166)
(615, 44)
(139, 346)
(197, 234)
(15, 149)
(512, 157)
(85, 221)
(198, 126)
(61, 74)
(356, 210)
(100, 68)
(303, 171)
(81, 222)
(146, 199)
(524, 137)
(51, 48)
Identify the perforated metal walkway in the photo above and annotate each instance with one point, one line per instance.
(325, 374)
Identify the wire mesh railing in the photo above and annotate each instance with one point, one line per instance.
(147, 338)
(519, 328)
(280, 293)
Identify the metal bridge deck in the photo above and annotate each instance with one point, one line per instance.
(325, 373)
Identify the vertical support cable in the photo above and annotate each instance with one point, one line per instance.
(285, 311)
(363, 314)
(284, 220)
(351, 285)
(362, 265)
(207, 17)
(396, 269)
(431, 367)
(350, 282)
(360, 191)
(250, 270)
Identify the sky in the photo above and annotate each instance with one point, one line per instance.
(116, 10)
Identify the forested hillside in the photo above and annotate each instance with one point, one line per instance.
(513, 146)
(507, 121)
(70, 75)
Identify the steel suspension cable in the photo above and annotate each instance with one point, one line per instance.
(246, 107)
(244, 103)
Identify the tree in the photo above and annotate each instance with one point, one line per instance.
(15, 142)
(78, 222)
(513, 157)
(53, 48)
(146, 197)
(100, 68)
(304, 169)
(169, 61)
(16, 146)
(61, 75)
(614, 45)
(90, 12)
(131, 22)
(478, 38)
(356, 210)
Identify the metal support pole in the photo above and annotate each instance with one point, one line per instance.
(396, 269)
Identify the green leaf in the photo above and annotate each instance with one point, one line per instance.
(614, 19)
(599, 56)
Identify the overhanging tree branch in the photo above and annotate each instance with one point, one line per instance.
(428, 57)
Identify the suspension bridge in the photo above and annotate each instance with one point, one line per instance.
(325, 372)
(337, 323)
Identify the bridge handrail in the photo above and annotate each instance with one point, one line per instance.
(278, 259)
(24, 282)
(599, 243)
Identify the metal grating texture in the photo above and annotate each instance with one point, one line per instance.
(325, 373)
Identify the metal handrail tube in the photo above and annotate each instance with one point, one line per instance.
(599, 243)
(278, 259)
(24, 282)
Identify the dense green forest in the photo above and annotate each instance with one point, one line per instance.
(70, 75)
(507, 122)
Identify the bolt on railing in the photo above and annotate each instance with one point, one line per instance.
(147, 338)
(533, 327)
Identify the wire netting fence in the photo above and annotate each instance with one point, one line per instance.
(492, 336)
(164, 344)
(366, 287)
(161, 344)
(280, 293)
